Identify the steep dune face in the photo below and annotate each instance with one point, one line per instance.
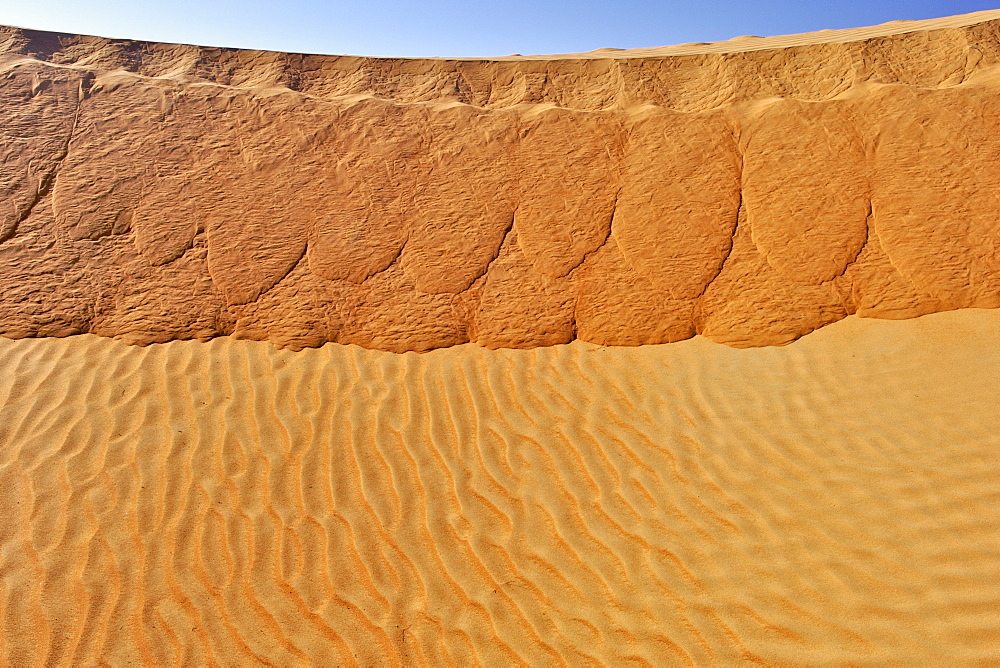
(156, 192)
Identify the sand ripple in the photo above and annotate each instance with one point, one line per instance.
(834, 501)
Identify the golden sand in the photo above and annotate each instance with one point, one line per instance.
(833, 501)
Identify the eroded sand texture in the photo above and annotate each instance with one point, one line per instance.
(222, 501)
(830, 502)
(157, 192)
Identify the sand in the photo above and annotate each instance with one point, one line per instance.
(747, 43)
(152, 192)
(286, 477)
(829, 502)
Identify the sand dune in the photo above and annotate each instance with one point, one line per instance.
(152, 192)
(519, 495)
(746, 43)
(830, 502)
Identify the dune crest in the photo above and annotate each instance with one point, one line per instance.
(155, 192)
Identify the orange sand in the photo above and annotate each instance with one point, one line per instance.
(153, 192)
(834, 501)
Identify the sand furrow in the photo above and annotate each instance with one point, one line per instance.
(833, 501)
(447, 527)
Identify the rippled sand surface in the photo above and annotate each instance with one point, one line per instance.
(833, 501)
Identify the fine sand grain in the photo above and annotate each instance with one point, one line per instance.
(833, 501)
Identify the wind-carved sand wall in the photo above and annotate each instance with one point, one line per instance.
(155, 192)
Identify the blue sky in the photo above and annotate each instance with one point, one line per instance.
(453, 28)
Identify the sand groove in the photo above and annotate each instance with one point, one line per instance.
(833, 501)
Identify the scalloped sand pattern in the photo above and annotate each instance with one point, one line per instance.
(750, 191)
(445, 441)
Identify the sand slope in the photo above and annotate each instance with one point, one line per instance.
(152, 192)
(833, 501)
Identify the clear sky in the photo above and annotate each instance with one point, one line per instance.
(457, 28)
